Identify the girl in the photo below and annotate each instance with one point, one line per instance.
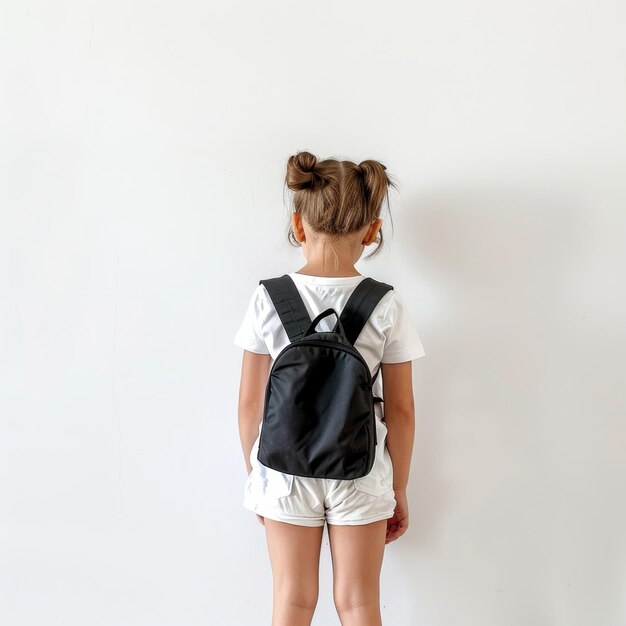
(337, 205)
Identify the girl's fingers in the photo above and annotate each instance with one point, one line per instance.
(396, 530)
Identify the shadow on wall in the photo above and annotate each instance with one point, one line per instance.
(502, 266)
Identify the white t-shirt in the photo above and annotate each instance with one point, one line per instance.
(389, 335)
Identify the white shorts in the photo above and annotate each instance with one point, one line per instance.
(310, 501)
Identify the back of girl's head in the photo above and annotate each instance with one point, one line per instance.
(337, 197)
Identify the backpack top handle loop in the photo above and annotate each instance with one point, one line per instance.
(330, 311)
(339, 328)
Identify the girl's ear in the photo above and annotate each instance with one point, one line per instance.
(372, 231)
(296, 225)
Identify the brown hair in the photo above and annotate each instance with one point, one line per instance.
(337, 197)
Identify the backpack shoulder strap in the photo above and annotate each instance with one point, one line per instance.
(288, 304)
(360, 305)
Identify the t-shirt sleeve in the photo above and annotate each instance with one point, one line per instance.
(402, 342)
(248, 335)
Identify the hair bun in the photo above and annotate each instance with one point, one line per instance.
(370, 165)
(301, 172)
(305, 161)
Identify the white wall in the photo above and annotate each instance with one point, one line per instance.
(142, 158)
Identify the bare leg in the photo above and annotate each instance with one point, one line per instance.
(357, 554)
(294, 555)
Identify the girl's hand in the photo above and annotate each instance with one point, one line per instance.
(261, 519)
(397, 525)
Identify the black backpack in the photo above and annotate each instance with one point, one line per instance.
(318, 415)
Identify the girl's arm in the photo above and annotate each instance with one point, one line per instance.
(399, 412)
(254, 372)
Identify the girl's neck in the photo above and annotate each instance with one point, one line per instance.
(341, 272)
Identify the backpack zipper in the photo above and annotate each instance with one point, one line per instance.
(325, 344)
